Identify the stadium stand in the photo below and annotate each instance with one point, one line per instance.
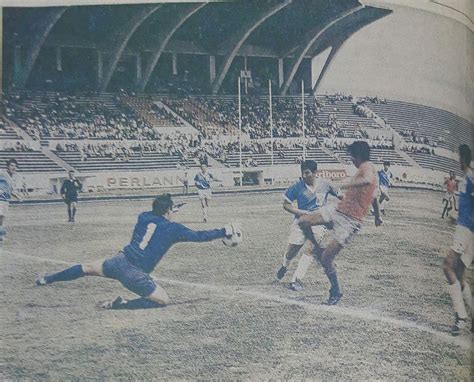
(31, 161)
(424, 124)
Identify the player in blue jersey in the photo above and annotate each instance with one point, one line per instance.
(152, 236)
(202, 181)
(385, 182)
(309, 193)
(7, 191)
(460, 255)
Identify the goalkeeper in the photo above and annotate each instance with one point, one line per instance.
(152, 236)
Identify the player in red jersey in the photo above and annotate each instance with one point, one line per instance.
(346, 218)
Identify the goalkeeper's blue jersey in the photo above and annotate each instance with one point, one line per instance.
(154, 235)
(466, 202)
(309, 199)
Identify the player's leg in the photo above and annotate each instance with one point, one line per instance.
(74, 209)
(3, 214)
(289, 255)
(327, 261)
(312, 249)
(459, 257)
(315, 218)
(454, 268)
(69, 209)
(445, 209)
(73, 273)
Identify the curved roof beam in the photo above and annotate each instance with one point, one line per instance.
(308, 42)
(334, 49)
(163, 38)
(237, 40)
(40, 32)
(121, 38)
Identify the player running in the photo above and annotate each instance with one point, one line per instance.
(202, 181)
(460, 255)
(310, 193)
(7, 191)
(449, 200)
(152, 236)
(385, 182)
(69, 191)
(346, 218)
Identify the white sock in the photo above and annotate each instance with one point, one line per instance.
(302, 268)
(456, 297)
(466, 293)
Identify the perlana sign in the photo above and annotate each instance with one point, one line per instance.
(142, 181)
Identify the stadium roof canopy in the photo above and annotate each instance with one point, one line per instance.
(289, 29)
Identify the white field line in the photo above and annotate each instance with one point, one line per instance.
(462, 341)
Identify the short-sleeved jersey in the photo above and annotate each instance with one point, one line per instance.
(309, 199)
(154, 235)
(6, 186)
(70, 188)
(466, 202)
(384, 178)
(451, 185)
(357, 199)
(203, 181)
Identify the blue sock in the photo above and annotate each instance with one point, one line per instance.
(3, 233)
(334, 283)
(68, 274)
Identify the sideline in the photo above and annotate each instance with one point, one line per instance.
(463, 342)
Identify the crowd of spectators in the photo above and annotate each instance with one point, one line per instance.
(75, 117)
(411, 135)
(11, 145)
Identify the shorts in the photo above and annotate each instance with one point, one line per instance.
(70, 199)
(383, 190)
(3, 208)
(205, 194)
(449, 197)
(130, 276)
(463, 244)
(297, 236)
(344, 227)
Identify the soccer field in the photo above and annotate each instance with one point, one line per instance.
(229, 318)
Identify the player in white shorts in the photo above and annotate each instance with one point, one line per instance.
(309, 193)
(7, 191)
(460, 254)
(202, 181)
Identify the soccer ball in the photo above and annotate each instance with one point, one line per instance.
(233, 240)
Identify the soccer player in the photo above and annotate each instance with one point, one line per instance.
(346, 218)
(460, 255)
(152, 236)
(202, 181)
(310, 193)
(69, 191)
(385, 182)
(7, 190)
(449, 200)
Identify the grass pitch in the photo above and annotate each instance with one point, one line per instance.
(229, 318)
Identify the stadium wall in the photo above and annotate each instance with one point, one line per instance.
(410, 55)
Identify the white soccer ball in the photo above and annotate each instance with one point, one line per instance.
(233, 240)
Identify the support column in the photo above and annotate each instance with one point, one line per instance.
(175, 64)
(281, 77)
(59, 59)
(16, 63)
(100, 66)
(139, 68)
(212, 68)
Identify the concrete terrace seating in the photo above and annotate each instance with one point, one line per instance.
(8, 133)
(290, 156)
(436, 162)
(148, 161)
(377, 156)
(426, 121)
(155, 116)
(31, 161)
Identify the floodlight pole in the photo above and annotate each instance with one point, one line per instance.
(271, 116)
(240, 131)
(302, 120)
